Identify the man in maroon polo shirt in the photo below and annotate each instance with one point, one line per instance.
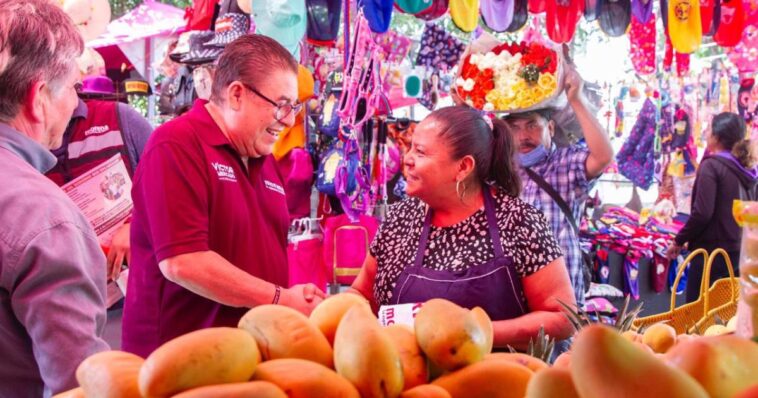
(209, 226)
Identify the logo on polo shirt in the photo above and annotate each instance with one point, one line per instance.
(225, 173)
(274, 187)
(96, 130)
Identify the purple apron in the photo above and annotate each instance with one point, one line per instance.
(495, 286)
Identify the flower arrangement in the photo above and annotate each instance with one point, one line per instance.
(509, 77)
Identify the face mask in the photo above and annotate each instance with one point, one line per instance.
(533, 157)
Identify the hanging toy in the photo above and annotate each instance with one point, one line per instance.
(619, 122)
(725, 101)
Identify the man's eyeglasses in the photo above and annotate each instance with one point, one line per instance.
(282, 110)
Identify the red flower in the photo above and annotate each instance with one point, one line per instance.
(544, 58)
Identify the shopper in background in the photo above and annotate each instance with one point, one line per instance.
(725, 174)
(557, 180)
(210, 220)
(101, 128)
(52, 270)
(464, 234)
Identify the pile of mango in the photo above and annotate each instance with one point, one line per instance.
(342, 351)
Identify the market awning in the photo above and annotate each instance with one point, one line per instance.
(149, 19)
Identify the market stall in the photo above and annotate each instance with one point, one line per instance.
(369, 71)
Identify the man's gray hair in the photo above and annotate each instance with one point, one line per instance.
(38, 42)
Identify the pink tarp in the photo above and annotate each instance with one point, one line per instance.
(147, 20)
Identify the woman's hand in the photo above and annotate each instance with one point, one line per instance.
(673, 251)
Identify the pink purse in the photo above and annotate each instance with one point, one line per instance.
(346, 246)
(305, 254)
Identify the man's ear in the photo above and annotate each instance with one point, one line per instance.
(234, 93)
(551, 128)
(36, 102)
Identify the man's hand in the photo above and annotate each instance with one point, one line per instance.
(119, 250)
(303, 298)
(573, 84)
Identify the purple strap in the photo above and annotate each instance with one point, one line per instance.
(489, 209)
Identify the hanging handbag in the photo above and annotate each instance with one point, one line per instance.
(346, 246)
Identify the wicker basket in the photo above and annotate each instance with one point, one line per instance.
(721, 299)
(686, 315)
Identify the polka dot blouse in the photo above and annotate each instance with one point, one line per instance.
(524, 234)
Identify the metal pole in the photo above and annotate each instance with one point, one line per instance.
(148, 75)
(346, 36)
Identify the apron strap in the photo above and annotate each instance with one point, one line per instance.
(489, 209)
(423, 239)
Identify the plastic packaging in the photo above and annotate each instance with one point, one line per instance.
(746, 214)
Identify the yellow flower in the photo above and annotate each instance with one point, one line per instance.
(547, 81)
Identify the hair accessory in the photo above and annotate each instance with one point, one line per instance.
(488, 119)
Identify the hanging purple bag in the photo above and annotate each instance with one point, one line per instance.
(636, 159)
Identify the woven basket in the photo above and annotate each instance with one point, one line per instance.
(685, 316)
(719, 299)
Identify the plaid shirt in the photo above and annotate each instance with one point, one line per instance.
(565, 170)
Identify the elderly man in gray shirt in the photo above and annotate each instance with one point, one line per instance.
(52, 270)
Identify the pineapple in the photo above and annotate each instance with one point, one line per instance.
(624, 319)
(541, 348)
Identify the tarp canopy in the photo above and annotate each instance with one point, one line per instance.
(149, 19)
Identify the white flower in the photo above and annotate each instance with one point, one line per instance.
(468, 84)
(488, 107)
(470, 103)
(460, 82)
(475, 58)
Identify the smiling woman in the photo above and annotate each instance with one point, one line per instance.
(464, 234)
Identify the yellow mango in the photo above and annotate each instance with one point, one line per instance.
(552, 383)
(110, 374)
(732, 324)
(632, 336)
(486, 324)
(534, 364)
(327, 314)
(305, 379)
(660, 337)
(411, 356)
(723, 365)
(487, 379)
(563, 360)
(426, 391)
(716, 330)
(366, 356)
(73, 393)
(282, 332)
(605, 364)
(450, 335)
(200, 358)
(257, 389)
(751, 392)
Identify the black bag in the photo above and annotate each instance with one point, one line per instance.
(587, 262)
